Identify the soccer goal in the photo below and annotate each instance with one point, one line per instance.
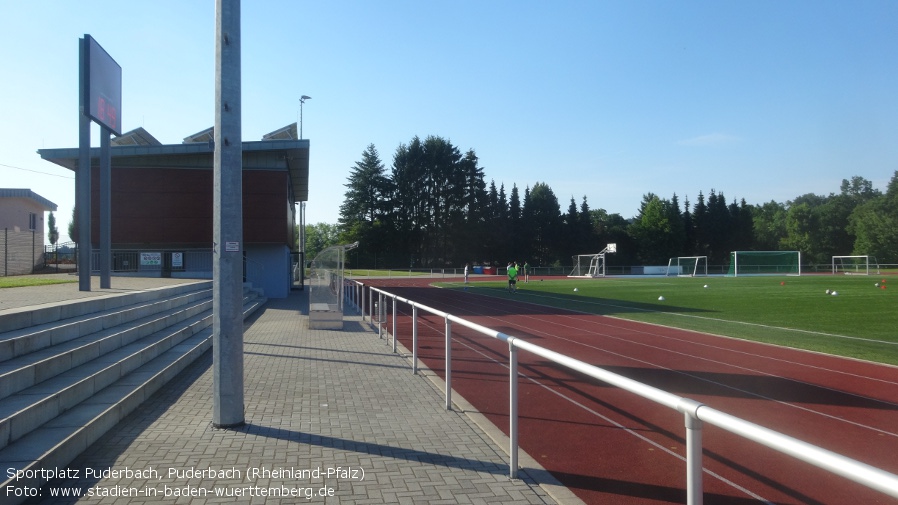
(764, 263)
(855, 265)
(591, 265)
(688, 266)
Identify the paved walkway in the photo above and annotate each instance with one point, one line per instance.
(331, 417)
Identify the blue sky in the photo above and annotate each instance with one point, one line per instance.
(761, 100)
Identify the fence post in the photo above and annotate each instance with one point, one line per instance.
(370, 305)
(394, 324)
(380, 310)
(694, 489)
(414, 339)
(512, 410)
(448, 364)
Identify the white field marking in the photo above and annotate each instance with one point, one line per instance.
(750, 393)
(769, 358)
(629, 431)
(718, 320)
(616, 318)
(795, 406)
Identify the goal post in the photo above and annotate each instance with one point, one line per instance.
(688, 266)
(855, 265)
(764, 263)
(588, 265)
(591, 265)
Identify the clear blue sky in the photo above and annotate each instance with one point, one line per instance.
(762, 100)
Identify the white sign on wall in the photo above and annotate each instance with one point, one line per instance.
(150, 259)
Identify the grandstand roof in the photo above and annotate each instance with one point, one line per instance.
(278, 150)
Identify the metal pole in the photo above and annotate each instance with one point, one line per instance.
(448, 364)
(227, 234)
(105, 208)
(694, 474)
(380, 309)
(414, 339)
(82, 203)
(394, 324)
(512, 409)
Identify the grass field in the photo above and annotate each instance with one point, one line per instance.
(25, 280)
(859, 322)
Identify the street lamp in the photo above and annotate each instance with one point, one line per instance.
(302, 100)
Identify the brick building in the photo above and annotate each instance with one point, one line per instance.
(162, 204)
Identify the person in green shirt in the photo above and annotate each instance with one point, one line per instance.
(512, 278)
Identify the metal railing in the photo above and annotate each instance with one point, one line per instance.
(695, 413)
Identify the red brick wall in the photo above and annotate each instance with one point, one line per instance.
(173, 207)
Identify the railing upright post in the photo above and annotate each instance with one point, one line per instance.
(394, 324)
(380, 310)
(694, 485)
(414, 339)
(448, 364)
(512, 409)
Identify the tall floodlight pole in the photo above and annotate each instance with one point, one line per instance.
(227, 233)
(302, 100)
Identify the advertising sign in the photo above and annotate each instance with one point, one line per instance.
(150, 259)
(101, 88)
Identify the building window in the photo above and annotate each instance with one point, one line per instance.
(32, 221)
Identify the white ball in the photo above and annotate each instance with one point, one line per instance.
(877, 284)
(827, 291)
(835, 293)
(661, 298)
(706, 285)
(575, 290)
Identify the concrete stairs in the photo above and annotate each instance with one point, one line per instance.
(69, 372)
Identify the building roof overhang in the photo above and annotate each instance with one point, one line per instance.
(272, 153)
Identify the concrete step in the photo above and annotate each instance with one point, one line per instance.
(27, 370)
(27, 409)
(48, 423)
(51, 325)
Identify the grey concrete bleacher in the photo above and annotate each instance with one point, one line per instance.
(72, 369)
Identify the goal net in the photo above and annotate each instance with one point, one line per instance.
(588, 265)
(688, 266)
(855, 265)
(764, 263)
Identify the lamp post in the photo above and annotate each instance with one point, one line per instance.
(302, 100)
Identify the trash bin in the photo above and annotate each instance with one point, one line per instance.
(489, 270)
(478, 269)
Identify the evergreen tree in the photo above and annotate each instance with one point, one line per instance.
(52, 231)
(545, 223)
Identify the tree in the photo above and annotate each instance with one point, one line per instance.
(73, 225)
(651, 230)
(366, 206)
(320, 236)
(874, 223)
(544, 225)
(430, 196)
(573, 237)
(52, 231)
(365, 191)
(769, 226)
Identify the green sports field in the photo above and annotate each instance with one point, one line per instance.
(861, 321)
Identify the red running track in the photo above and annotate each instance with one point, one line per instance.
(612, 447)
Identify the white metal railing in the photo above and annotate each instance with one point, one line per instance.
(695, 413)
